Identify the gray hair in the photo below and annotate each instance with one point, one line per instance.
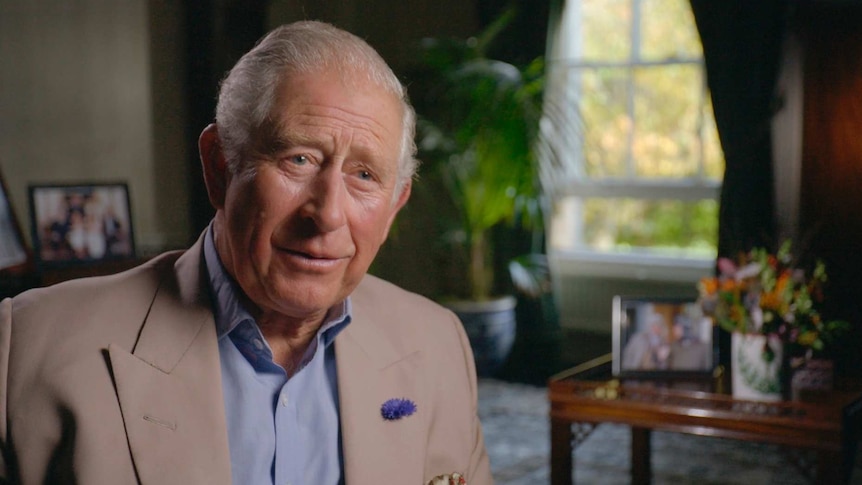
(247, 93)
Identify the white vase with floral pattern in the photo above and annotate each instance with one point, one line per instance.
(752, 376)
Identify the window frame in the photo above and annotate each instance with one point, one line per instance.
(640, 263)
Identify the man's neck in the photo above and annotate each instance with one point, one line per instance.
(289, 339)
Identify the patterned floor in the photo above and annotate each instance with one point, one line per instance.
(514, 418)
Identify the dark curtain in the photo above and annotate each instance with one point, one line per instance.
(742, 46)
(742, 50)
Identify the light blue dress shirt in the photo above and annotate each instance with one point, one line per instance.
(282, 430)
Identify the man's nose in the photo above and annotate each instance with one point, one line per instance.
(325, 205)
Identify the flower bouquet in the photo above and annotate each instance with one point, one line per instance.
(769, 306)
(766, 294)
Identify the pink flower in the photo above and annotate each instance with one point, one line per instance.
(726, 267)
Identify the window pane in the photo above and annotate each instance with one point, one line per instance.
(713, 157)
(606, 29)
(668, 30)
(666, 140)
(644, 116)
(619, 225)
(607, 124)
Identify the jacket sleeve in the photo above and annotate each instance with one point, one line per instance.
(479, 472)
(5, 344)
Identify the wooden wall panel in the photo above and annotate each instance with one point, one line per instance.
(831, 186)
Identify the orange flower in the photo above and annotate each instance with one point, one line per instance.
(737, 313)
(782, 282)
(728, 285)
(708, 286)
(772, 261)
(771, 301)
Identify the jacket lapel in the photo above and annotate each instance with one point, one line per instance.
(371, 370)
(170, 394)
(169, 387)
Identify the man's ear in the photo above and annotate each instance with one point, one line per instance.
(214, 165)
(402, 199)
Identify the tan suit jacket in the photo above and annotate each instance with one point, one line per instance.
(116, 380)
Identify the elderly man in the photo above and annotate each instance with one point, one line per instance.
(264, 353)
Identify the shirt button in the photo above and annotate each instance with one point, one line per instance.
(258, 344)
(284, 403)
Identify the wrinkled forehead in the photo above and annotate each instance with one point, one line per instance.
(353, 81)
(337, 93)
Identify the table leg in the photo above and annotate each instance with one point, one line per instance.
(561, 452)
(641, 451)
(852, 428)
(829, 469)
(848, 460)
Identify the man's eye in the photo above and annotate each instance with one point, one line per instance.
(298, 159)
(365, 175)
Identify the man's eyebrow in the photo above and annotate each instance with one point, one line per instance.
(279, 140)
(288, 139)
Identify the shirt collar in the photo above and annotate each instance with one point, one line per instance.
(229, 311)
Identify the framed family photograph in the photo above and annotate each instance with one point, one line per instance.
(81, 223)
(655, 337)
(14, 254)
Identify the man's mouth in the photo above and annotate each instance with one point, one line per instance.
(309, 255)
(313, 259)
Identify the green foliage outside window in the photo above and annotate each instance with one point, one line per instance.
(647, 119)
(665, 226)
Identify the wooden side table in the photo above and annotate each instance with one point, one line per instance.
(586, 396)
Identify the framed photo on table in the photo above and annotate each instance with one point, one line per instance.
(662, 337)
(15, 257)
(79, 224)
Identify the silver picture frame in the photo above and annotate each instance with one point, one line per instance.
(662, 337)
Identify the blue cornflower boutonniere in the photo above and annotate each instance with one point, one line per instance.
(397, 408)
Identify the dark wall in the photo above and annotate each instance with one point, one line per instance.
(525, 38)
(393, 27)
(830, 196)
(217, 34)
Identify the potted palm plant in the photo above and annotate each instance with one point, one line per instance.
(479, 120)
